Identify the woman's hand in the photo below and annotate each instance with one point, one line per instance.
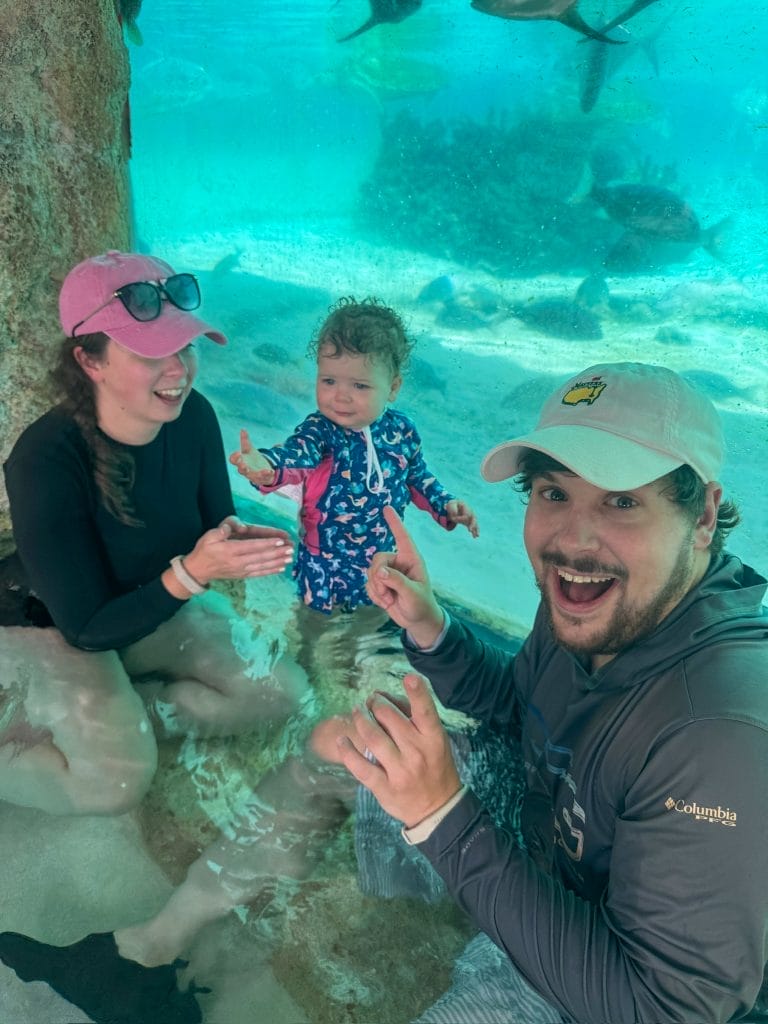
(252, 464)
(236, 551)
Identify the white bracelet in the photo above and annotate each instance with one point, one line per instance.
(188, 582)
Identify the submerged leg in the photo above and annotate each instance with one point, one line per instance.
(207, 671)
(281, 833)
(74, 737)
(129, 976)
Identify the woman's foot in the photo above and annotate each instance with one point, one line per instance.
(93, 976)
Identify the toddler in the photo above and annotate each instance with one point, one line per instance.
(353, 456)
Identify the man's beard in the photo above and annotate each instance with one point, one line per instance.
(628, 626)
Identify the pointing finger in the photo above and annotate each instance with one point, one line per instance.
(405, 545)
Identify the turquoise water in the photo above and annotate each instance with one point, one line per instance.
(292, 169)
(245, 114)
(287, 169)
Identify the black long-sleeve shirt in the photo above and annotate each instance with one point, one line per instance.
(99, 578)
(642, 895)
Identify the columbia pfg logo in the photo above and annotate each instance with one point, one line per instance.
(715, 815)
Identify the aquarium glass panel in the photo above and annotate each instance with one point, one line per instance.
(532, 196)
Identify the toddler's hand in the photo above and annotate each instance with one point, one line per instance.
(459, 513)
(252, 464)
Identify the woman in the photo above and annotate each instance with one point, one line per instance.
(122, 514)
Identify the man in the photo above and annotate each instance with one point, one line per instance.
(639, 702)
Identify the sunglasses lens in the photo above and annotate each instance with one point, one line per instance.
(183, 291)
(142, 300)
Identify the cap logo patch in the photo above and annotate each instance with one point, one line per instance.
(584, 391)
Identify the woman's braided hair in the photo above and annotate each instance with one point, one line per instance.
(113, 468)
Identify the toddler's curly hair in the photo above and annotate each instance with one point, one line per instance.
(367, 327)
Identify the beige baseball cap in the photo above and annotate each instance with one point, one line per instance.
(620, 426)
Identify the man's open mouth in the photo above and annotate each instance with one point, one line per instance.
(579, 588)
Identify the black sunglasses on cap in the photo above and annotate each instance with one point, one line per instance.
(144, 299)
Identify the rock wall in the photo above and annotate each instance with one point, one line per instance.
(64, 193)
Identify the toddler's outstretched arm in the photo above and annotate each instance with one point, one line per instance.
(460, 513)
(252, 464)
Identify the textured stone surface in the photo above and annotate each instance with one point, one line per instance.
(63, 181)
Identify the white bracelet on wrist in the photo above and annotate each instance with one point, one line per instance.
(188, 582)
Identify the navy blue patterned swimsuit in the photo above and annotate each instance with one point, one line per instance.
(348, 476)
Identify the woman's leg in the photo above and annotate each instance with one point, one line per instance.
(131, 973)
(74, 736)
(208, 672)
(280, 832)
(211, 673)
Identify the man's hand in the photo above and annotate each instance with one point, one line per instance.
(398, 583)
(460, 514)
(414, 773)
(252, 464)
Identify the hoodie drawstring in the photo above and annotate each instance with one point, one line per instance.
(372, 464)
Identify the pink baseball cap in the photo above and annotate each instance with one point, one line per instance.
(93, 283)
(620, 426)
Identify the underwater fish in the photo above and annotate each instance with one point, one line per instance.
(661, 227)
(649, 210)
(424, 376)
(563, 11)
(385, 11)
(274, 354)
(593, 293)
(532, 391)
(594, 74)
(603, 62)
(440, 289)
(635, 253)
(526, 398)
(127, 13)
(463, 305)
(717, 385)
(227, 263)
(261, 404)
(560, 318)
(673, 336)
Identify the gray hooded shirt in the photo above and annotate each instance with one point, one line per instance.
(642, 893)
